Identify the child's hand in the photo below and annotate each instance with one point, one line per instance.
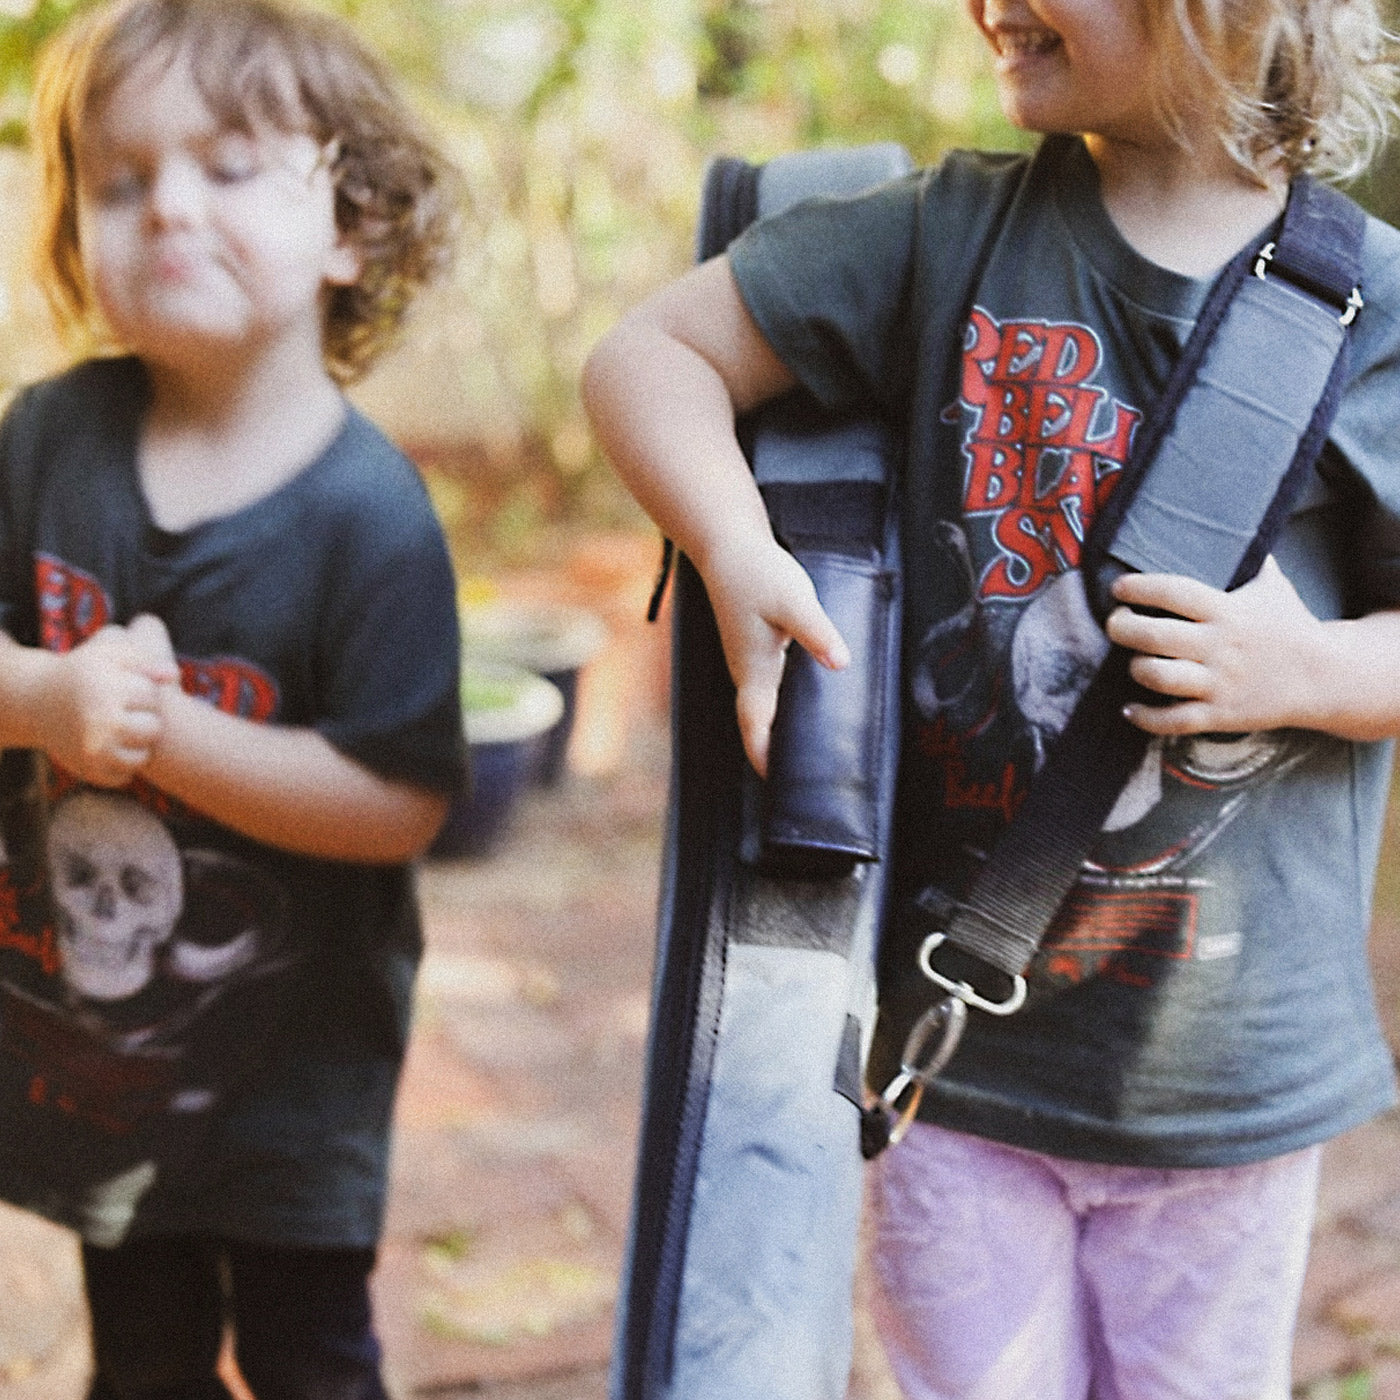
(1236, 661)
(104, 719)
(149, 636)
(763, 600)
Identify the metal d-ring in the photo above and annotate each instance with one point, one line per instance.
(965, 991)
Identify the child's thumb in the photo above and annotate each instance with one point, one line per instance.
(151, 639)
(814, 631)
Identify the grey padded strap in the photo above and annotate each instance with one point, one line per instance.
(793, 178)
(1198, 508)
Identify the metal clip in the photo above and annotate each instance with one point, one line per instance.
(965, 991)
(928, 1047)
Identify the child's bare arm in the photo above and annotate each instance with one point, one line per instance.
(95, 709)
(662, 390)
(287, 786)
(1256, 658)
(112, 708)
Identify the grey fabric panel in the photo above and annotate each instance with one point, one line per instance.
(1199, 507)
(766, 1296)
(856, 450)
(783, 183)
(820, 915)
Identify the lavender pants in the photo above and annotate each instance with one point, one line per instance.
(1002, 1274)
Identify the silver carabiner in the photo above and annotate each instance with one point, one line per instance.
(928, 1047)
(965, 991)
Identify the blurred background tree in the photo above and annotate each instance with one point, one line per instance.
(583, 128)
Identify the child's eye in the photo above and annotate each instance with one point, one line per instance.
(233, 167)
(118, 187)
(231, 158)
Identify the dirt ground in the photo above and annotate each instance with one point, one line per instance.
(517, 1119)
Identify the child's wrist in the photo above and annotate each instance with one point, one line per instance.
(736, 551)
(1324, 672)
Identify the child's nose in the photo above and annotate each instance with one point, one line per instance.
(175, 193)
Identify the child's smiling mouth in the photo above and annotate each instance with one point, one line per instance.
(1016, 43)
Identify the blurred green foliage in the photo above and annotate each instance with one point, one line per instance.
(583, 128)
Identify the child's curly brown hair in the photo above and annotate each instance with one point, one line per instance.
(257, 62)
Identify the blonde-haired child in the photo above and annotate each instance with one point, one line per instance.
(229, 629)
(1108, 1194)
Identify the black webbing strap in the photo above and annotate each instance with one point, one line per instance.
(1036, 860)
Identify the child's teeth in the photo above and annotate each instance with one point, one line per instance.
(1026, 43)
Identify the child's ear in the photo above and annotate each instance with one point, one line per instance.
(344, 263)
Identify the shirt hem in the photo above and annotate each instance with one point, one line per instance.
(1116, 1145)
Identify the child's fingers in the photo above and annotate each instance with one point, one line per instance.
(815, 632)
(114, 763)
(756, 703)
(1187, 680)
(1154, 636)
(793, 610)
(152, 641)
(130, 758)
(1191, 717)
(1173, 593)
(140, 727)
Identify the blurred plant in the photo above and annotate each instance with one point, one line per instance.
(583, 128)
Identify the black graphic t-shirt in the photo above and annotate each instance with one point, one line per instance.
(197, 1031)
(1203, 997)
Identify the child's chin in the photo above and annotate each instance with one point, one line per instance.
(171, 338)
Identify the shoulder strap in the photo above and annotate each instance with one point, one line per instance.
(1208, 487)
(1261, 373)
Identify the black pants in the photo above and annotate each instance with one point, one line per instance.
(301, 1320)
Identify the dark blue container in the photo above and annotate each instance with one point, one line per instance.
(506, 743)
(554, 640)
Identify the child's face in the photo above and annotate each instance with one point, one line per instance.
(1076, 66)
(198, 237)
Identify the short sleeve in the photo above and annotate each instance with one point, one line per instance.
(828, 284)
(1366, 432)
(388, 649)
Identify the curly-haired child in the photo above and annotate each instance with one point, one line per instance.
(230, 640)
(1108, 1194)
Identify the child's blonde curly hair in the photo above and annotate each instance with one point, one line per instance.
(1299, 85)
(257, 62)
